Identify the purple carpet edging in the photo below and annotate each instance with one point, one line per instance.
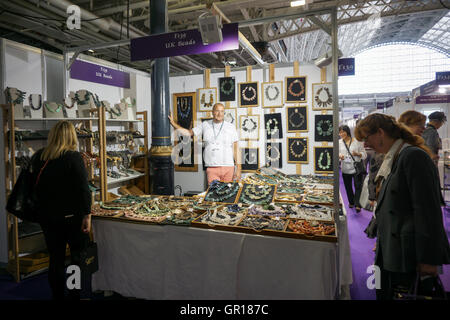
(361, 249)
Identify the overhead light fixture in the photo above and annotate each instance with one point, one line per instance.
(298, 3)
(91, 51)
(326, 59)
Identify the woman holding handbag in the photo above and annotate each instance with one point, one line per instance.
(351, 154)
(63, 202)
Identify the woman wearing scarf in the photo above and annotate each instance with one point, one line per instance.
(410, 239)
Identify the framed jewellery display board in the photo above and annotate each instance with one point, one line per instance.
(323, 127)
(249, 159)
(248, 94)
(249, 127)
(272, 94)
(207, 97)
(223, 192)
(274, 154)
(257, 194)
(35, 104)
(323, 97)
(231, 116)
(296, 89)
(297, 119)
(297, 150)
(184, 111)
(227, 89)
(273, 126)
(53, 110)
(323, 160)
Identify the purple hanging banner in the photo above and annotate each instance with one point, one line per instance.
(389, 103)
(428, 88)
(433, 99)
(99, 74)
(443, 78)
(380, 105)
(182, 43)
(346, 67)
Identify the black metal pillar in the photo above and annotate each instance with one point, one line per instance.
(161, 165)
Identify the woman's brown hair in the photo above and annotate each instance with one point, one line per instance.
(412, 118)
(61, 138)
(370, 125)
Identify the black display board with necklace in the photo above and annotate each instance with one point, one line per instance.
(323, 127)
(227, 89)
(273, 155)
(249, 159)
(248, 94)
(297, 150)
(323, 159)
(296, 89)
(273, 126)
(257, 194)
(323, 97)
(297, 119)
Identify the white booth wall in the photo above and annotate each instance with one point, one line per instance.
(195, 181)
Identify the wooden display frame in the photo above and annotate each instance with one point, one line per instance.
(278, 102)
(291, 98)
(317, 119)
(329, 86)
(289, 141)
(243, 86)
(232, 95)
(278, 117)
(305, 114)
(207, 92)
(316, 156)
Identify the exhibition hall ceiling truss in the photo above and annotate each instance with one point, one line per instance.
(362, 24)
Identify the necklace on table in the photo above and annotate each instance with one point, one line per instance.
(39, 106)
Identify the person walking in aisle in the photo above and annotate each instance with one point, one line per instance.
(63, 201)
(414, 120)
(221, 151)
(351, 151)
(431, 135)
(411, 239)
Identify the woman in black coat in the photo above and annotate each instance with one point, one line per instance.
(411, 238)
(64, 202)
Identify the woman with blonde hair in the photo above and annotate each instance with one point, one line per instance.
(63, 201)
(414, 120)
(411, 239)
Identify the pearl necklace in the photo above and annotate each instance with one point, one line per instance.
(301, 86)
(253, 93)
(229, 117)
(221, 217)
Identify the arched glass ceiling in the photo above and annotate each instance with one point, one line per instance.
(393, 68)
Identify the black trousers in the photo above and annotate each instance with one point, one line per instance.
(353, 197)
(58, 233)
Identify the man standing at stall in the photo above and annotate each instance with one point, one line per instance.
(221, 154)
(431, 135)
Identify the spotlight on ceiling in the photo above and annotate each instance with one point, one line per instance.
(298, 3)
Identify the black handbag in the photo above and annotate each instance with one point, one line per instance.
(371, 229)
(22, 201)
(359, 166)
(89, 258)
(428, 289)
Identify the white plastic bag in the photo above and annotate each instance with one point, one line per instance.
(364, 198)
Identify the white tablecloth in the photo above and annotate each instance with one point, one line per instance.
(172, 262)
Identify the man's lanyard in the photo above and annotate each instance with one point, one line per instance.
(214, 130)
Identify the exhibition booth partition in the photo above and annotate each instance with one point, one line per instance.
(276, 234)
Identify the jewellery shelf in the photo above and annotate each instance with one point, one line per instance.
(122, 179)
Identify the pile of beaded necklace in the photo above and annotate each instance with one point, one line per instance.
(329, 126)
(222, 192)
(221, 217)
(301, 87)
(324, 103)
(296, 115)
(30, 99)
(294, 152)
(256, 194)
(320, 164)
(311, 212)
(252, 91)
(227, 83)
(267, 91)
(310, 227)
(267, 210)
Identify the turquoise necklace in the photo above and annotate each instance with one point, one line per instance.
(53, 110)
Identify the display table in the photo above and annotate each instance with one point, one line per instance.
(173, 262)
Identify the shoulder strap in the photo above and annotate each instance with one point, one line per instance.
(39, 175)
(348, 149)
